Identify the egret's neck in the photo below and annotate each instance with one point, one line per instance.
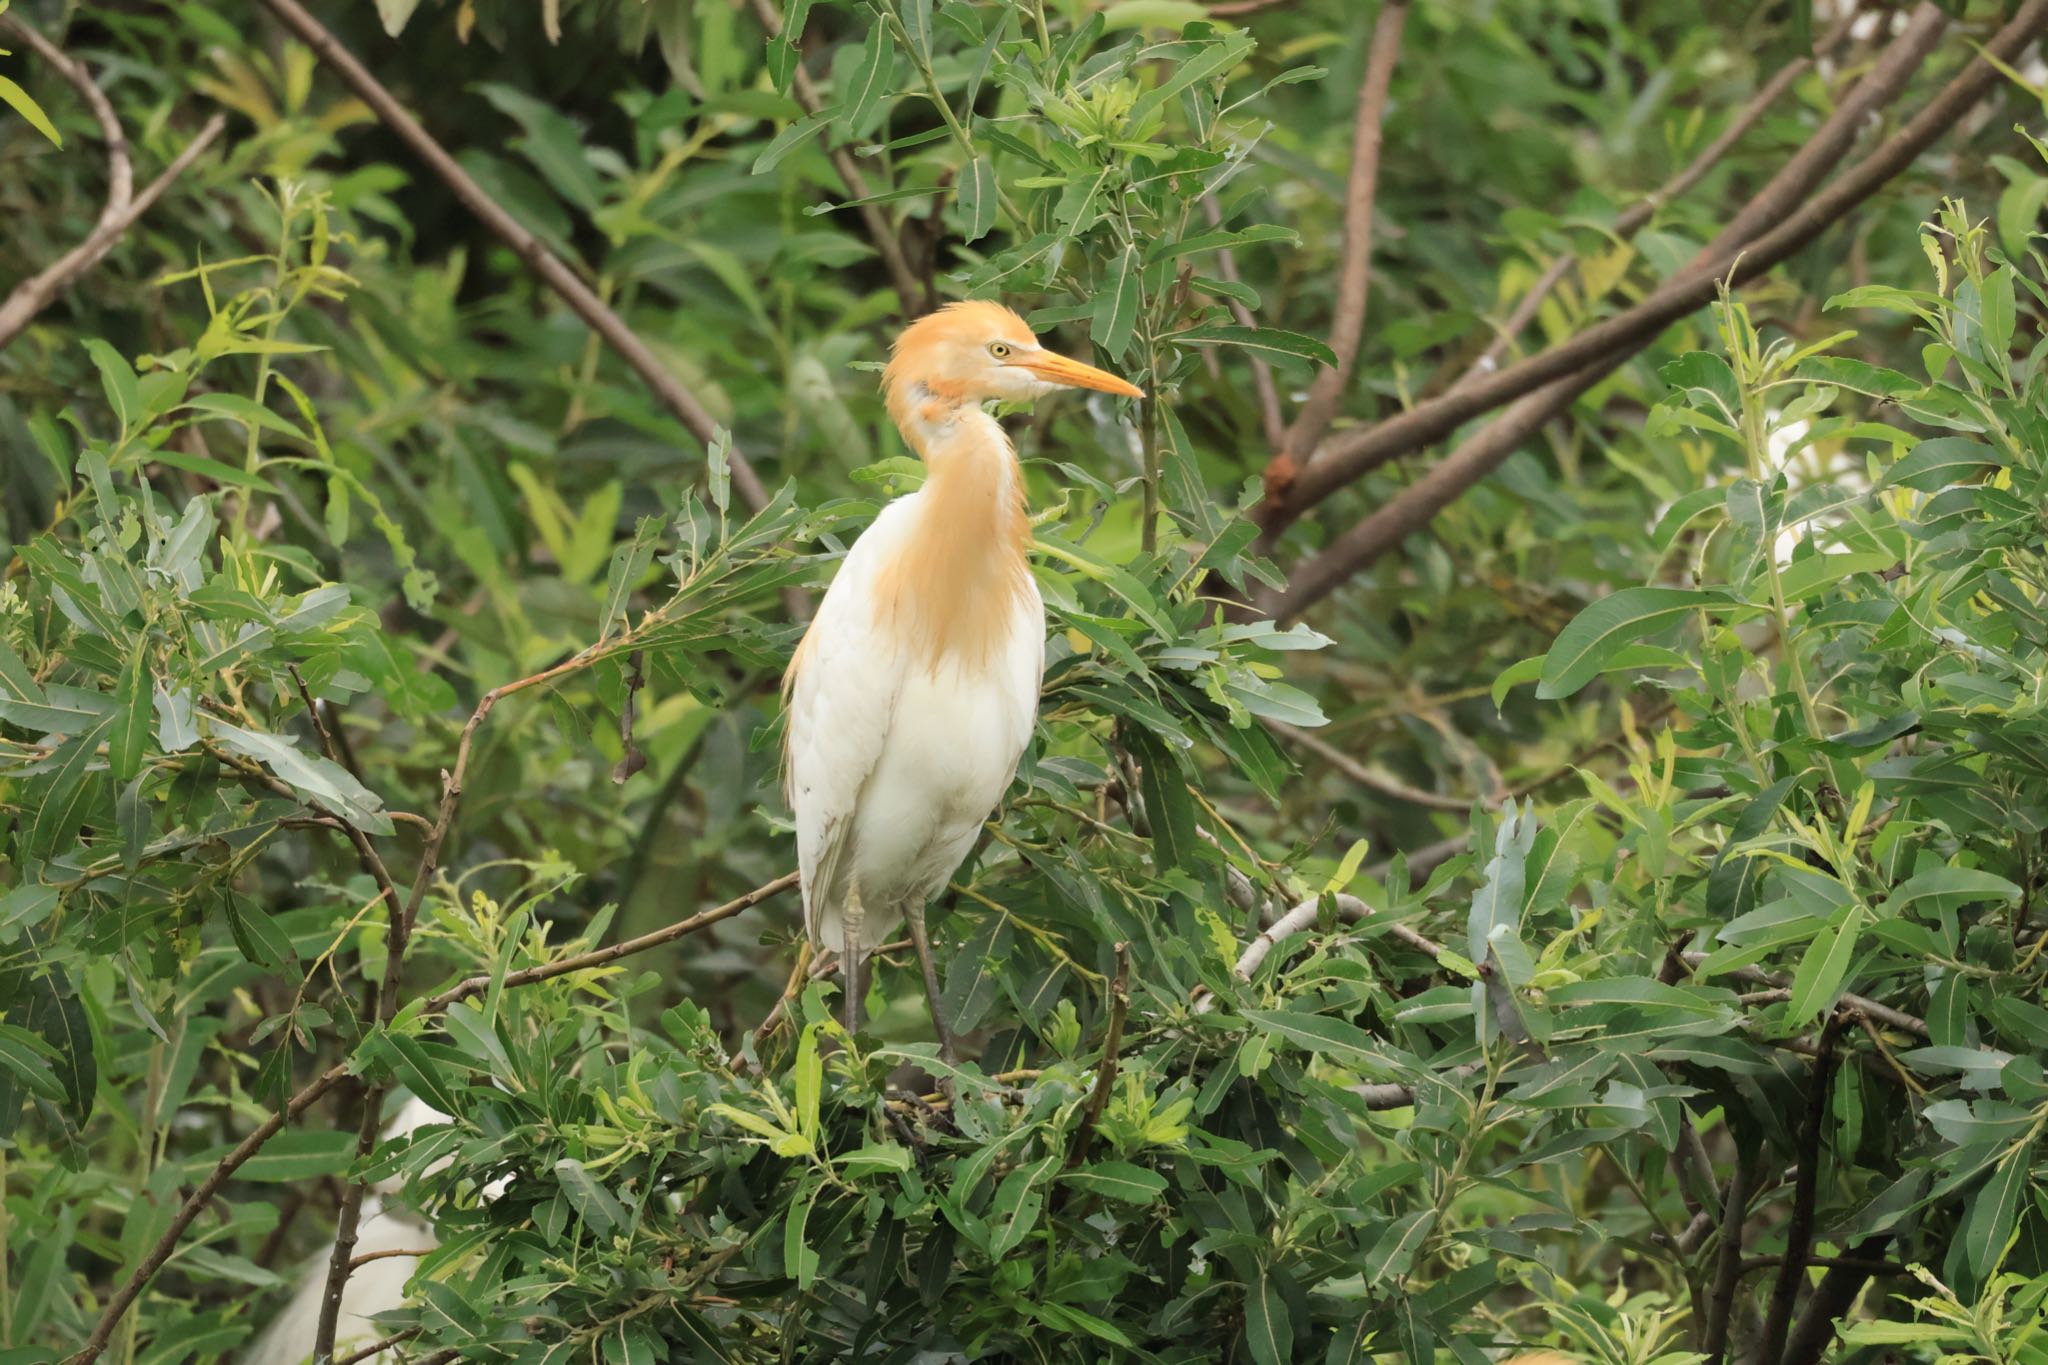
(963, 566)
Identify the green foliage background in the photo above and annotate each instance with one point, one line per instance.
(1683, 829)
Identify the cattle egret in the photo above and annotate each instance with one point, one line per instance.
(913, 692)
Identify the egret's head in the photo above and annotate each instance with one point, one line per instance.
(977, 351)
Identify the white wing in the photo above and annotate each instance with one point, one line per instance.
(842, 696)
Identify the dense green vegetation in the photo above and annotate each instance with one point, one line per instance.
(1535, 831)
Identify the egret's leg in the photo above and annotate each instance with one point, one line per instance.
(915, 915)
(852, 979)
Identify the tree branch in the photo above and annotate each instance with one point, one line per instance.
(1272, 424)
(123, 206)
(1883, 1014)
(125, 1296)
(1833, 1296)
(1799, 1231)
(1347, 323)
(1105, 1070)
(1727, 1270)
(1601, 349)
(1373, 782)
(914, 298)
(544, 263)
(1638, 215)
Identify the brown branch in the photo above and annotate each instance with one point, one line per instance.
(377, 1348)
(1638, 215)
(1601, 349)
(124, 1297)
(389, 1253)
(598, 957)
(1347, 323)
(1727, 1270)
(915, 299)
(1833, 1296)
(1105, 1070)
(1883, 1014)
(527, 247)
(123, 206)
(1365, 777)
(1799, 1231)
(1226, 9)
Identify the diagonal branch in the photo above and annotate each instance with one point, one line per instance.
(202, 1195)
(123, 207)
(1603, 348)
(1347, 323)
(544, 263)
(1638, 215)
(1799, 1231)
(1781, 224)
(914, 298)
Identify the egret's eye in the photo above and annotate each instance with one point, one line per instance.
(999, 350)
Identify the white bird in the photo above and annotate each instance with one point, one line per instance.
(913, 693)
(374, 1287)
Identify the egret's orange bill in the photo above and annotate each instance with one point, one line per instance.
(1058, 369)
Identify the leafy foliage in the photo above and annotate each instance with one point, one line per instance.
(330, 537)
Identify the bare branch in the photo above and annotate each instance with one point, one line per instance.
(1365, 777)
(1293, 922)
(1347, 323)
(1637, 215)
(1601, 349)
(544, 263)
(915, 299)
(123, 206)
(1105, 1070)
(1727, 1270)
(1799, 1231)
(1883, 1014)
(1833, 1296)
(124, 1297)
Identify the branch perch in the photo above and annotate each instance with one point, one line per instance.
(544, 263)
(123, 206)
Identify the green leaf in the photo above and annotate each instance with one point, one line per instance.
(1269, 342)
(211, 469)
(1014, 1210)
(869, 82)
(320, 780)
(59, 1016)
(1211, 61)
(789, 139)
(1994, 1208)
(1268, 1331)
(132, 715)
(63, 804)
(419, 1072)
(1394, 1253)
(1947, 888)
(26, 1056)
(799, 1261)
(1934, 465)
(1118, 1180)
(1116, 304)
(810, 1081)
(597, 1206)
(18, 99)
(117, 378)
(295, 1155)
(236, 408)
(1342, 1042)
(1167, 804)
(1169, 248)
(17, 683)
(258, 936)
(1618, 619)
(1818, 982)
(875, 1157)
(978, 199)
(1514, 675)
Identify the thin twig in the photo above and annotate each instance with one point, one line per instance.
(1105, 1070)
(527, 247)
(1638, 215)
(1388, 787)
(124, 1297)
(1799, 1230)
(1604, 347)
(1354, 278)
(379, 1347)
(387, 1254)
(1883, 1014)
(914, 298)
(123, 206)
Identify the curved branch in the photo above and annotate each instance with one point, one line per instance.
(1605, 345)
(1603, 348)
(915, 298)
(544, 263)
(123, 205)
(1347, 323)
